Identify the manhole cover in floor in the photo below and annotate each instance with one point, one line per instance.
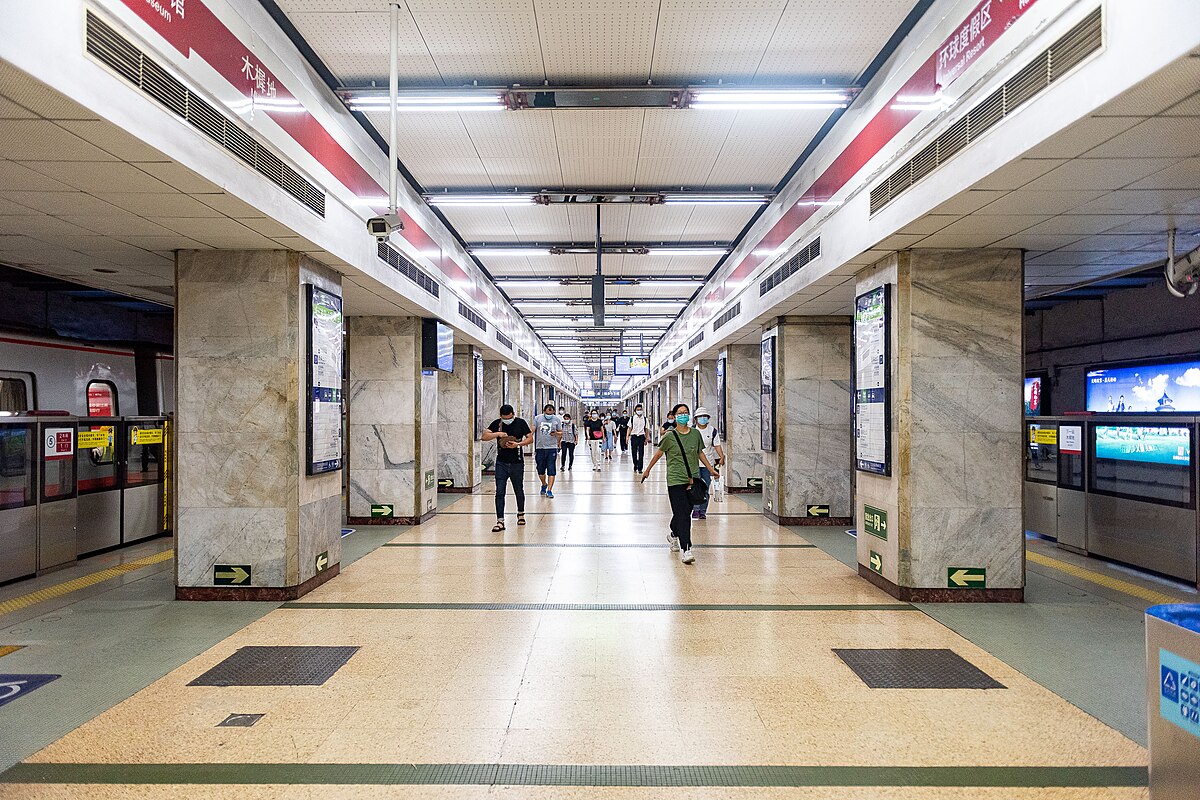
(915, 668)
(277, 666)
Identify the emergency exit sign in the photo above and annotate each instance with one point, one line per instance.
(875, 521)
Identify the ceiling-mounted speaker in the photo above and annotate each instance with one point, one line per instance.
(598, 300)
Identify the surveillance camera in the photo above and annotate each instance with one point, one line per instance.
(383, 227)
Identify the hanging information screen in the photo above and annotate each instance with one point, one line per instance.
(324, 381)
(872, 369)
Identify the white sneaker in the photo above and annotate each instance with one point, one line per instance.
(674, 542)
(687, 556)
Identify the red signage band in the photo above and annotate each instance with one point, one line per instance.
(190, 26)
(945, 64)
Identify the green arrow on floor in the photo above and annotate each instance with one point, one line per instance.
(966, 577)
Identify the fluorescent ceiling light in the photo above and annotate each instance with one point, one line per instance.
(688, 251)
(668, 284)
(380, 101)
(716, 199)
(768, 99)
(481, 200)
(508, 251)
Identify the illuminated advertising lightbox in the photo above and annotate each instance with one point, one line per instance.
(1033, 397)
(1147, 444)
(1145, 389)
(631, 365)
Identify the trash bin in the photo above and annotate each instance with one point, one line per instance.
(1173, 708)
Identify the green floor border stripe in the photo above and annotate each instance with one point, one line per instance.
(315, 606)
(632, 545)
(590, 513)
(574, 775)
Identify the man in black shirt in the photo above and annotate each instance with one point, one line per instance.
(622, 420)
(513, 433)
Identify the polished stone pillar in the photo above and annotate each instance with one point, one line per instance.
(459, 459)
(811, 464)
(706, 392)
(518, 401)
(392, 416)
(244, 501)
(742, 440)
(953, 501)
(495, 378)
(686, 389)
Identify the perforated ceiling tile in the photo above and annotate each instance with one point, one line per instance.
(610, 42)
(277, 666)
(713, 39)
(354, 45)
(499, 47)
(820, 39)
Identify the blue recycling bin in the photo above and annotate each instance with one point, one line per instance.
(1173, 694)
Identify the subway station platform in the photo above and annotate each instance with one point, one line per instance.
(577, 657)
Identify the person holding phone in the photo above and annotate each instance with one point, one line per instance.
(512, 434)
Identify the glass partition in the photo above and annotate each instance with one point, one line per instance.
(97, 444)
(58, 462)
(1041, 462)
(1152, 463)
(145, 462)
(16, 466)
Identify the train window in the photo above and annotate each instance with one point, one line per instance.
(15, 392)
(145, 462)
(102, 399)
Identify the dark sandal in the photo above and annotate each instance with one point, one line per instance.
(520, 519)
(499, 526)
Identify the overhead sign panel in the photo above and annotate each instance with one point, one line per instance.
(631, 365)
(1162, 388)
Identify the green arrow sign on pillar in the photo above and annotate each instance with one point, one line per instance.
(876, 562)
(966, 577)
(382, 510)
(231, 574)
(323, 561)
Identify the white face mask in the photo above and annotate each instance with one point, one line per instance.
(504, 421)
(638, 412)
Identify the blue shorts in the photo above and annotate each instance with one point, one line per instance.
(546, 461)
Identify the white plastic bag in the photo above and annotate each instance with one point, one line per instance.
(716, 490)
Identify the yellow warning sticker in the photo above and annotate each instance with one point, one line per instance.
(146, 436)
(92, 440)
(1044, 436)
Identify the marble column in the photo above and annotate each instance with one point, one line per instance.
(244, 500)
(706, 382)
(459, 459)
(743, 440)
(392, 414)
(811, 463)
(685, 393)
(518, 401)
(495, 378)
(953, 500)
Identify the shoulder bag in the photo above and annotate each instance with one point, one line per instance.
(697, 490)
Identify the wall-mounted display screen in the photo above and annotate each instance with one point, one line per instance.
(631, 365)
(324, 381)
(872, 382)
(767, 395)
(1145, 389)
(1033, 397)
(1151, 445)
(437, 345)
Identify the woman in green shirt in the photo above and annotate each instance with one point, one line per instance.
(684, 449)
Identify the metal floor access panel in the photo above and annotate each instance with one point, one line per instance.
(915, 668)
(277, 666)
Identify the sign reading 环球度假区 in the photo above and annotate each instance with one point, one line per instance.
(975, 35)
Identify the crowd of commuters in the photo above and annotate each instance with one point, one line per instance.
(690, 445)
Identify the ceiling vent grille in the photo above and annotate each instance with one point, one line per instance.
(727, 316)
(397, 261)
(523, 354)
(465, 311)
(1049, 66)
(678, 355)
(537, 365)
(790, 267)
(697, 339)
(504, 340)
(125, 59)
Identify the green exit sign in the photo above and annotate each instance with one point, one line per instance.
(875, 522)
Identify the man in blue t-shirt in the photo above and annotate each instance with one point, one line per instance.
(547, 435)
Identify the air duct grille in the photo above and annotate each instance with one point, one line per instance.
(697, 339)
(678, 355)
(125, 59)
(1050, 65)
(465, 311)
(504, 340)
(523, 354)
(791, 266)
(726, 316)
(397, 261)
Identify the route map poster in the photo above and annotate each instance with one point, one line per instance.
(872, 371)
(324, 381)
(767, 395)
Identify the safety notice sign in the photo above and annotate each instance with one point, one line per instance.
(1179, 692)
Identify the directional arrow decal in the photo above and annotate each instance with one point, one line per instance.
(876, 562)
(383, 510)
(231, 574)
(818, 510)
(966, 577)
(323, 561)
(13, 686)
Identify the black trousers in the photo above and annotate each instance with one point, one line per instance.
(568, 454)
(622, 434)
(510, 473)
(681, 515)
(638, 445)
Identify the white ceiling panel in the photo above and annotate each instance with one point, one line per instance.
(720, 40)
(1082, 136)
(354, 44)
(1099, 173)
(16, 177)
(482, 45)
(837, 41)
(1165, 137)
(1049, 202)
(604, 43)
(93, 176)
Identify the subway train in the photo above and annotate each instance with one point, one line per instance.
(53, 374)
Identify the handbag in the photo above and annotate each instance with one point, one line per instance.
(697, 490)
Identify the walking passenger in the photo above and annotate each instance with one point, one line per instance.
(513, 433)
(547, 433)
(623, 429)
(712, 449)
(567, 443)
(637, 438)
(610, 436)
(684, 449)
(595, 436)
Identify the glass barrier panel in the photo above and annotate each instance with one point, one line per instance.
(58, 477)
(1144, 462)
(16, 466)
(145, 462)
(1041, 461)
(97, 445)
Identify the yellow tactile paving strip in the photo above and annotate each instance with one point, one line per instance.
(595, 687)
(1100, 579)
(82, 582)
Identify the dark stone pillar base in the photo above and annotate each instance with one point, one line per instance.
(925, 595)
(273, 594)
(459, 490)
(391, 520)
(826, 522)
(743, 490)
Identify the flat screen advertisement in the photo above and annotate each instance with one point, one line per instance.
(1033, 397)
(767, 395)
(324, 446)
(872, 378)
(634, 366)
(1145, 444)
(721, 420)
(1145, 389)
(477, 390)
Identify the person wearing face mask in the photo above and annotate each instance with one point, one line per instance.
(637, 438)
(547, 428)
(712, 449)
(595, 438)
(622, 420)
(513, 433)
(684, 450)
(567, 443)
(610, 436)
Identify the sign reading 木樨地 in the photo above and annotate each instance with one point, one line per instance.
(871, 378)
(875, 522)
(966, 577)
(1179, 691)
(324, 381)
(981, 28)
